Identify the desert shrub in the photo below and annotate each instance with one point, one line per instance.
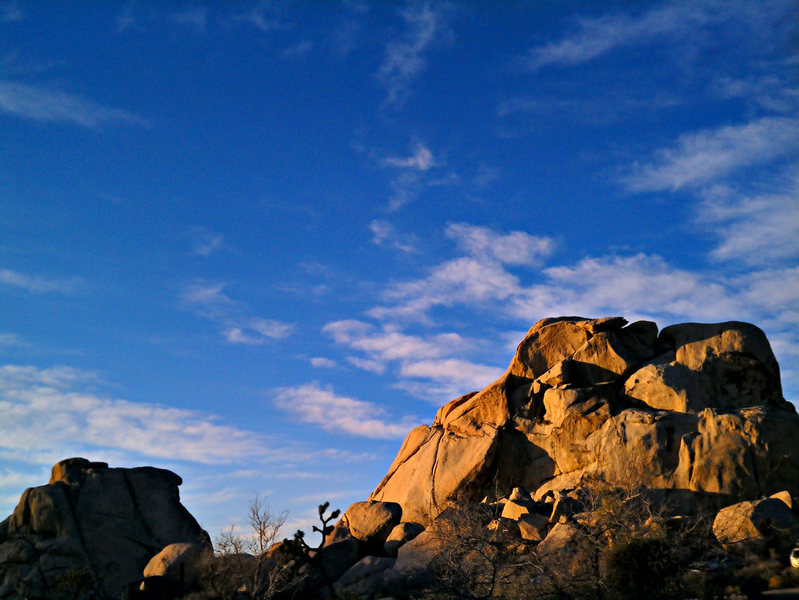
(477, 561)
(642, 568)
(241, 566)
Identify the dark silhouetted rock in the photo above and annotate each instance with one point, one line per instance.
(103, 524)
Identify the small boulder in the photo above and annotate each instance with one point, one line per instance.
(558, 539)
(364, 579)
(786, 497)
(416, 559)
(338, 557)
(565, 506)
(178, 562)
(548, 342)
(533, 527)
(515, 510)
(371, 522)
(401, 534)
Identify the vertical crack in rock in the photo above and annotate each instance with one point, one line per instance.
(433, 470)
(137, 508)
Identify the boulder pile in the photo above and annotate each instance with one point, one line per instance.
(91, 530)
(678, 423)
(695, 409)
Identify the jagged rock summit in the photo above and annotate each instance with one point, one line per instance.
(695, 410)
(91, 527)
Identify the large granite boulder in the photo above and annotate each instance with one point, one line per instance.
(695, 410)
(371, 522)
(723, 366)
(93, 524)
(767, 521)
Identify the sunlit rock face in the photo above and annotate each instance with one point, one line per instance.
(91, 527)
(694, 407)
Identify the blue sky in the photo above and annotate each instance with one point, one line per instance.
(256, 243)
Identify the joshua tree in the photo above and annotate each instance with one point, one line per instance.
(315, 556)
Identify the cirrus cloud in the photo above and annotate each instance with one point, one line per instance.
(702, 157)
(340, 414)
(38, 102)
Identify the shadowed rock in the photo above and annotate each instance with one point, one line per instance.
(102, 523)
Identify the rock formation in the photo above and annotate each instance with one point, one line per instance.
(601, 437)
(91, 529)
(599, 430)
(696, 409)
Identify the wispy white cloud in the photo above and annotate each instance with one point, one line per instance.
(422, 159)
(419, 171)
(637, 286)
(486, 175)
(320, 362)
(404, 58)
(205, 242)
(264, 17)
(340, 414)
(53, 411)
(514, 248)
(465, 374)
(298, 50)
(39, 285)
(13, 341)
(258, 331)
(9, 339)
(595, 37)
(411, 174)
(42, 103)
(208, 295)
(405, 188)
(384, 234)
(772, 295)
(21, 479)
(769, 91)
(705, 156)
(367, 364)
(520, 114)
(457, 281)
(431, 367)
(127, 20)
(387, 345)
(209, 300)
(752, 229)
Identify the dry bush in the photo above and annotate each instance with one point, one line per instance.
(241, 567)
(625, 544)
(478, 562)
